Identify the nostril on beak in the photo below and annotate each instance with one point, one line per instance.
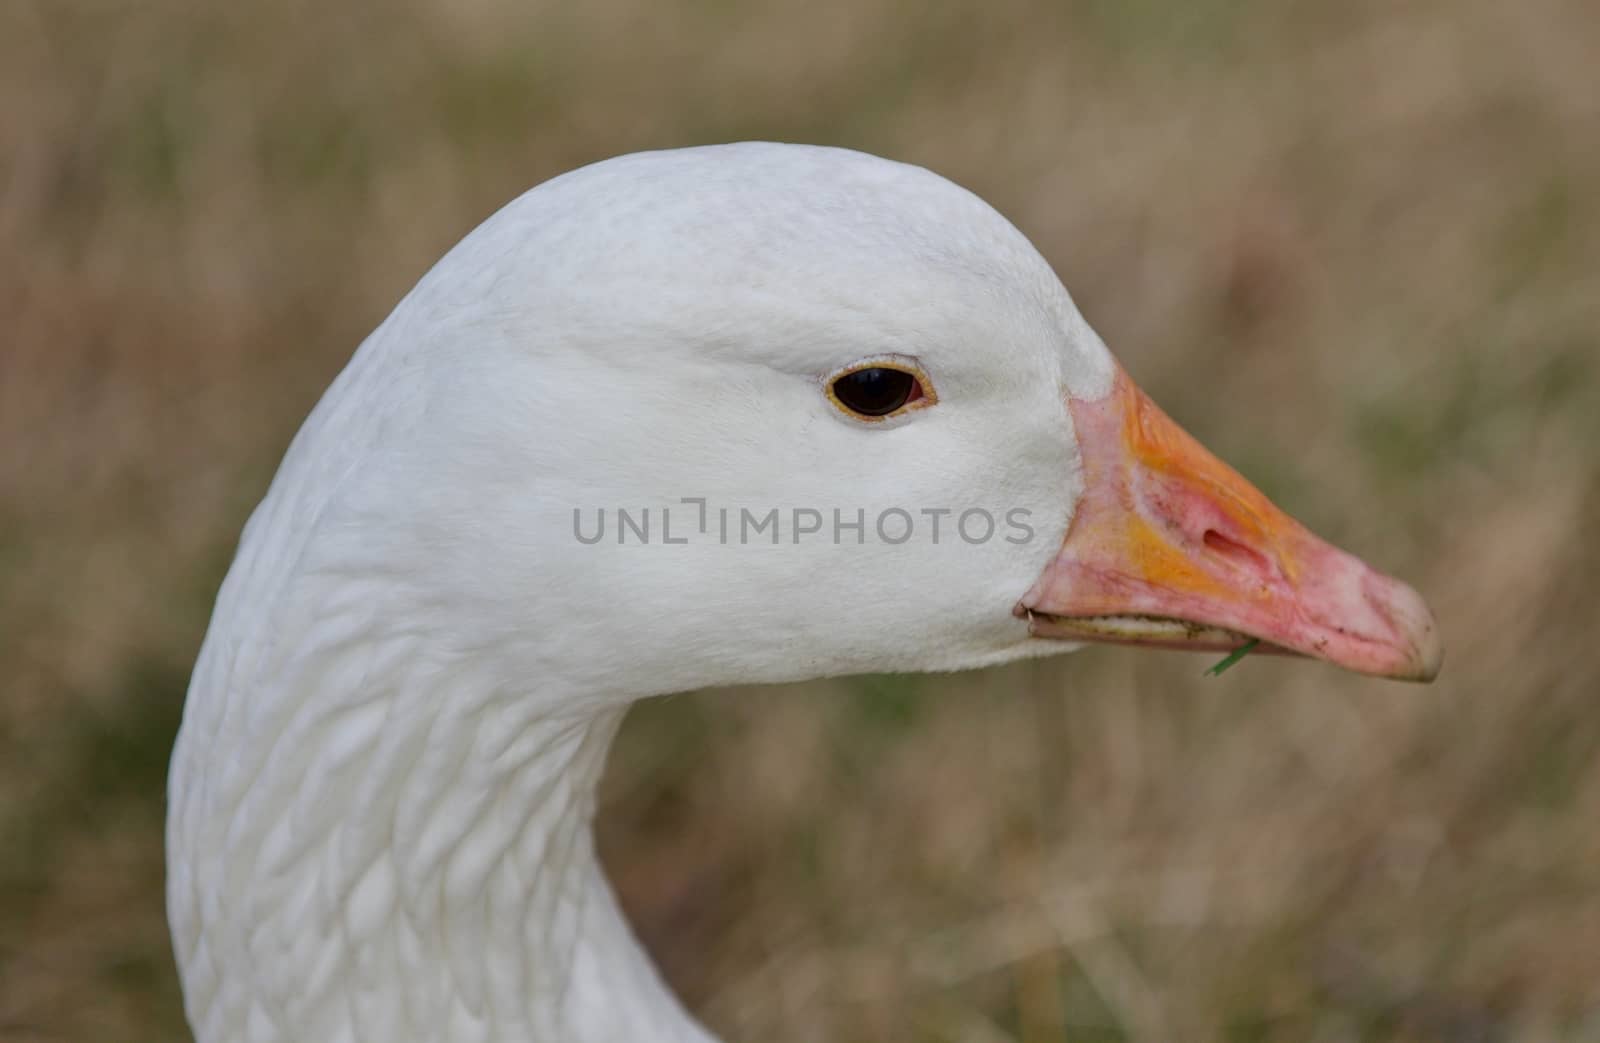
(1237, 553)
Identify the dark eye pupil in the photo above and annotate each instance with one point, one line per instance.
(876, 391)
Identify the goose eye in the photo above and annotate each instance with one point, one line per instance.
(876, 391)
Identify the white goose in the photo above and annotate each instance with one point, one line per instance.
(382, 791)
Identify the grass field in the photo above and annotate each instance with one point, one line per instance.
(1355, 247)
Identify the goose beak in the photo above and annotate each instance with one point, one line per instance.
(1171, 547)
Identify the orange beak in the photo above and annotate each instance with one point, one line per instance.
(1171, 547)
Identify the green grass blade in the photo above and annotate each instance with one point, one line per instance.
(1233, 657)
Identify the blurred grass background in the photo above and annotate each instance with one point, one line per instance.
(1352, 246)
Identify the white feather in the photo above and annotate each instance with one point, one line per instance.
(382, 791)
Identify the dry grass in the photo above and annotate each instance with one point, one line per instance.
(1354, 246)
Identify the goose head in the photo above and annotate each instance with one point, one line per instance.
(741, 414)
(759, 412)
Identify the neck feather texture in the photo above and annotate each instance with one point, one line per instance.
(360, 852)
